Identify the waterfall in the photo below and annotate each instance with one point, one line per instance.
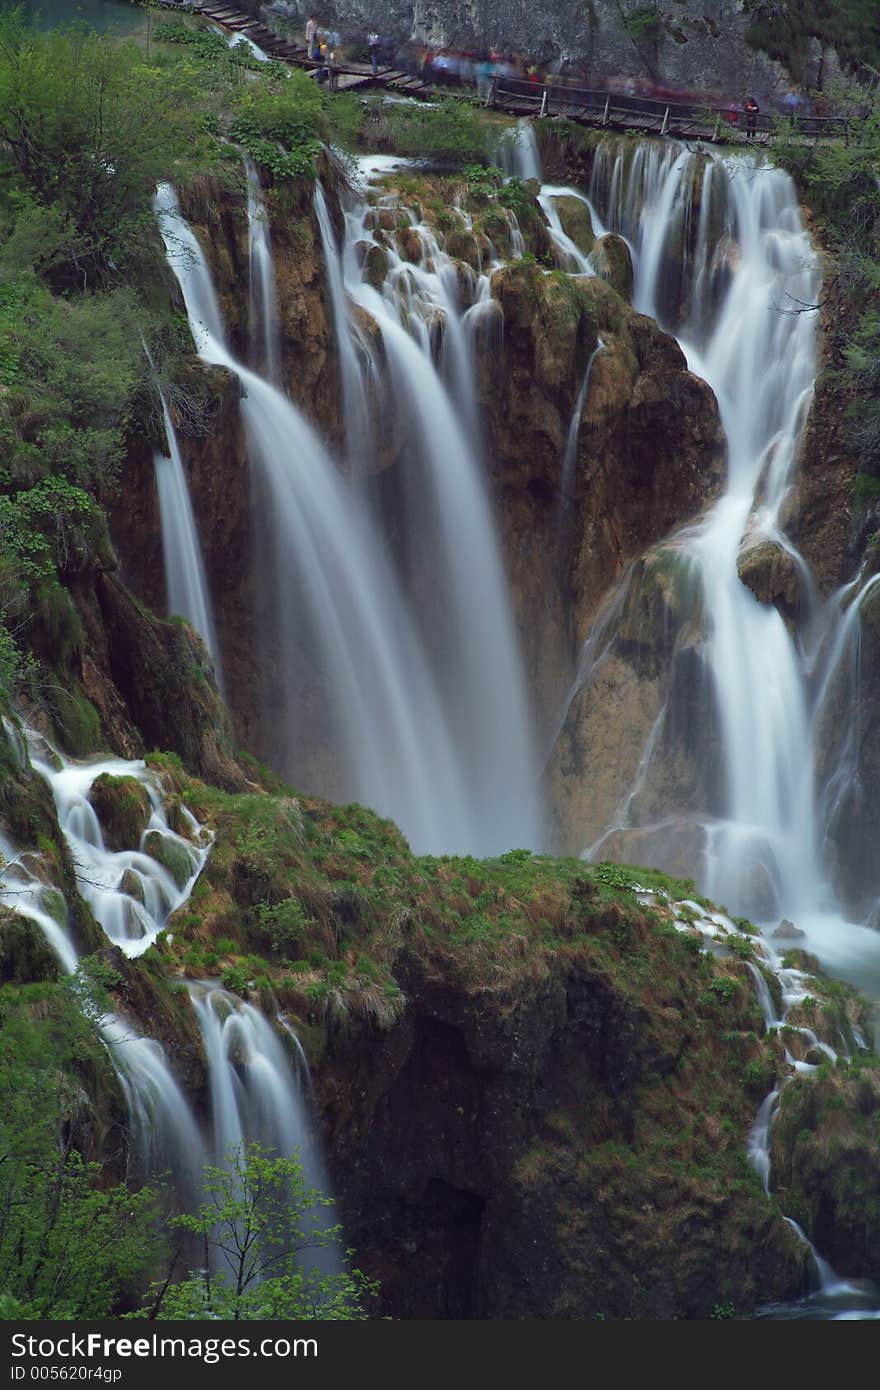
(164, 1132)
(445, 751)
(519, 157)
(720, 252)
(355, 413)
(256, 1096)
(264, 332)
(185, 581)
(569, 456)
(131, 893)
(465, 619)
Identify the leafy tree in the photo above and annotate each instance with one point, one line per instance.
(256, 1227)
(840, 179)
(70, 1245)
(88, 128)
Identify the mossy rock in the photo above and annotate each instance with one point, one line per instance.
(25, 954)
(131, 885)
(171, 854)
(772, 574)
(410, 245)
(612, 262)
(576, 222)
(463, 246)
(123, 808)
(374, 263)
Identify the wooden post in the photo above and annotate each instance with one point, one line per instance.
(605, 112)
(543, 111)
(717, 127)
(490, 99)
(665, 121)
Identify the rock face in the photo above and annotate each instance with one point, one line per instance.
(647, 455)
(827, 1157)
(698, 44)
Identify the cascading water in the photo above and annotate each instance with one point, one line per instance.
(185, 582)
(442, 745)
(264, 333)
(337, 587)
(255, 1093)
(719, 253)
(354, 360)
(131, 893)
(164, 1132)
(466, 620)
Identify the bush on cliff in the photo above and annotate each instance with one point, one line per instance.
(257, 1226)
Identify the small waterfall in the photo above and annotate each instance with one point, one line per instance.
(131, 893)
(164, 1132)
(569, 457)
(355, 412)
(572, 256)
(255, 1093)
(519, 157)
(185, 581)
(264, 331)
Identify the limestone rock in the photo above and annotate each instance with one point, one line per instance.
(577, 223)
(611, 260)
(123, 809)
(787, 931)
(772, 574)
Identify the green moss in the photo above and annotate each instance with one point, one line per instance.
(173, 856)
(123, 808)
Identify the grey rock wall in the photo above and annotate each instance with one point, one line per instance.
(694, 43)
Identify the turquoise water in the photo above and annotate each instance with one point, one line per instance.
(106, 15)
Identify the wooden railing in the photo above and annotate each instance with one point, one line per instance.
(619, 108)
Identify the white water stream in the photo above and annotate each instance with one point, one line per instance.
(721, 258)
(185, 582)
(720, 253)
(429, 708)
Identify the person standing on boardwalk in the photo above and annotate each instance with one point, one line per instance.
(751, 108)
(312, 37)
(373, 46)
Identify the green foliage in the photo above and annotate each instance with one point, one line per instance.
(740, 947)
(286, 926)
(785, 28)
(449, 131)
(70, 1244)
(237, 978)
(724, 1310)
(723, 987)
(840, 182)
(614, 876)
(644, 22)
(87, 128)
(515, 195)
(288, 116)
(256, 1226)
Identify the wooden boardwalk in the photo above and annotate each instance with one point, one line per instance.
(350, 76)
(599, 109)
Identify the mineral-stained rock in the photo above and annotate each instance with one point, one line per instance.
(610, 258)
(123, 809)
(773, 575)
(577, 222)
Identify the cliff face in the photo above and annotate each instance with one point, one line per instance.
(648, 454)
(697, 44)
